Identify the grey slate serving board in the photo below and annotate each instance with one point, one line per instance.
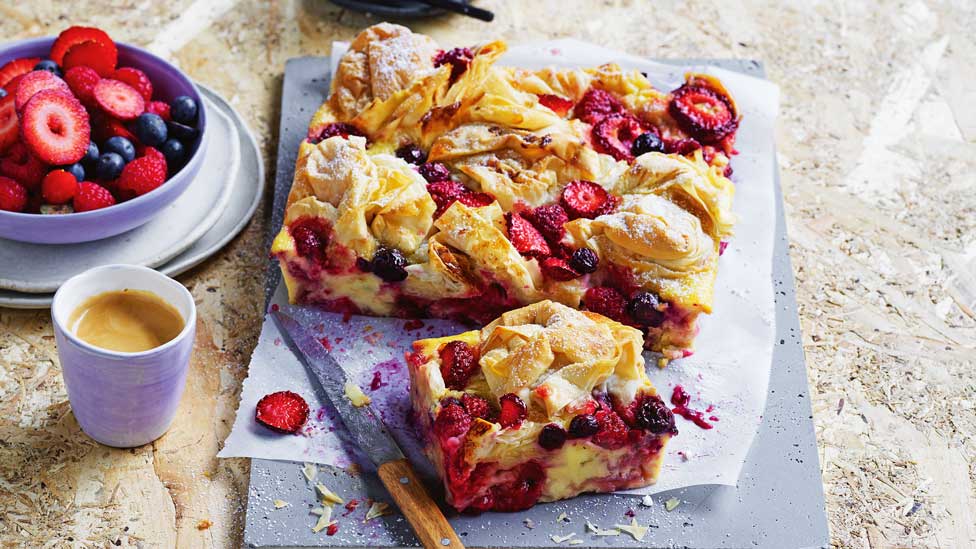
(778, 503)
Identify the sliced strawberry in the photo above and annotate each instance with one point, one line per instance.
(104, 127)
(55, 127)
(142, 175)
(97, 55)
(704, 113)
(137, 79)
(15, 68)
(19, 164)
(558, 269)
(59, 187)
(119, 99)
(9, 130)
(91, 196)
(555, 103)
(615, 135)
(13, 195)
(526, 238)
(73, 36)
(283, 411)
(161, 108)
(596, 105)
(82, 81)
(513, 411)
(34, 82)
(476, 200)
(586, 199)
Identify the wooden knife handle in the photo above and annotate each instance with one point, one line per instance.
(424, 515)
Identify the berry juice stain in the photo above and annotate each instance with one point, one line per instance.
(377, 381)
(680, 399)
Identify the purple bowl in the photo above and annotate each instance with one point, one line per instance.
(168, 83)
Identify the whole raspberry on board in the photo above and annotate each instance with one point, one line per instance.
(143, 174)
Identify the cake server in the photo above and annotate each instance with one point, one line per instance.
(371, 434)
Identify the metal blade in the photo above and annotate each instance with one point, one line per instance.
(369, 431)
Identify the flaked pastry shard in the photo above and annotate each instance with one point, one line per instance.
(436, 183)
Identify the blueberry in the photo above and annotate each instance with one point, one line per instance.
(434, 171)
(412, 154)
(654, 415)
(182, 132)
(3, 93)
(583, 425)
(49, 66)
(151, 129)
(584, 260)
(92, 155)
(120, 146)
(645, 143)
(174, 152)
(109, 166)
(552, 437)
(183, 109)
(388, 264)
(646, 309)
(76, 170)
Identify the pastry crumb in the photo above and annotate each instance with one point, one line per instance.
(325, 518)
(672, 504)
(376, 510)
(356, 395)
(327, 496)
(310, 470)
(279, 503)
(647, 501)
(560, 539)
(562, 518)
(635, 530)
(597, 531)
(204, 524)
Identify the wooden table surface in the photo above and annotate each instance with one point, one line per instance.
(877, 142)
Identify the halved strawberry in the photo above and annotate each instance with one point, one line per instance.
(15, 68)
(555, 268)
(283, 411)
(34, 82)
(586, 199)
(55, 127)
(137, 79)
(104, 127)
(72, 36)
(8, 123)
(19, 164)
(99, 56)
(82, 82)
(704, 113)
(526, 238)
(596, 105)
(557, 104)
(119, 99)
(615, 135)
(142, 175)
(13, 196)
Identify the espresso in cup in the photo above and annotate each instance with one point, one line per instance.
(127, 321)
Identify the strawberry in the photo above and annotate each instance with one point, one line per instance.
(476, 200)
(513, 411)
(91, 196)
(459, 361)
(615, 135)
(13, 196)
(8, 123)
(558, 269)
(596, 105)
(549, 219)
(586, 199)
(34, 82)
(15, 68)
(97, 55)
(82, 82)
(19, 164)
(555, 103)
(104, 127)
(161, 108)
(283, 411)
(526, 238)
(137, 79)
(55, 127)
(73, 36)
(142, 175)
(702, 112)
(606, 301)
(59, 187)
(119, 99)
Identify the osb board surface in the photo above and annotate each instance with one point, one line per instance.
(877, 141)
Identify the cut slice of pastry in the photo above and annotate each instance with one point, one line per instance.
(435, 183)
(544, 403)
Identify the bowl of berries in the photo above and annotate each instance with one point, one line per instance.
(96, 137)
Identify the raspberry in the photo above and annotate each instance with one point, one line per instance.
(583, 425)
(452, 421)
(596, 105)
(321, 133)
(584, 260)
(607, 302)
(615, 135)
(13, 196)
(587, 199)
(682, 146)
(558, 269)
(459, 361)
(654, 415)
(521, 493)
(458, 58)
(613, 431)
(160, 108)
(704, 113)
(434, 171)
(555, 103)
(526, 238)
(476, 406)
(646, 309)
(137, 79)
(59, 187)
(55, 127)
(91, 196)
(513, 411)
(82, 81)
(310, 238)
(549, 219)
(142, 175)
(552, 437)
(283, 411)
(22, 166)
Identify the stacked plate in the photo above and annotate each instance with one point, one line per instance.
(214, 208)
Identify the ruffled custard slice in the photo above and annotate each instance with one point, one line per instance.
(544, 403)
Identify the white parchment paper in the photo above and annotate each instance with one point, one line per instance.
(728, 374)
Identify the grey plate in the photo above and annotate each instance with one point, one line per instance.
(243, 195)
(778, 503)
(390, 8)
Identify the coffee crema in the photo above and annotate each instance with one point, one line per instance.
(127, 321)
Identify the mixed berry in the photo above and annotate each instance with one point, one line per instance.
(284, 411)
(78, 114)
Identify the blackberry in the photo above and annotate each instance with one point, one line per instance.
(552, 437)
(584, 260)
(412, 154)
(389, 264)
(654, 415)
(583, 425)
(645, 308)
(434, 171)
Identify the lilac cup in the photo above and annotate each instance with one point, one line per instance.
(168, 83)
(123, 399)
